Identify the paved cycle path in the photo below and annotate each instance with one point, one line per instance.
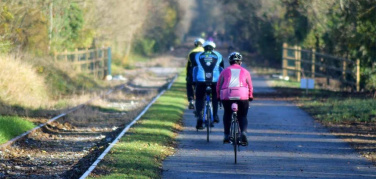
(284, 142)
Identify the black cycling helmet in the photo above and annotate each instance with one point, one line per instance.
(235, 56)
(199, 41)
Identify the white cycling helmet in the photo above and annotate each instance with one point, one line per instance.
(209, 43)
(199, 41)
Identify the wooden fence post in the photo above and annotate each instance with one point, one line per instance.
(357, 75)
(313, 63)
(344, 68)
(297, 62)
(109, 58)
(284, 60)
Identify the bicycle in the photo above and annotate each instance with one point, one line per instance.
(235, 130)
(208, 118)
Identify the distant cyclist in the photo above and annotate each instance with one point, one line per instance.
(235, 85)
(209, 66)
(190, 63)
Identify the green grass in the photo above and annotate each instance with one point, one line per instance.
(139, 153)
(120, 63)
(11, 126)
(330, 106)
(138, 58)
(283, 83)
(340, 109)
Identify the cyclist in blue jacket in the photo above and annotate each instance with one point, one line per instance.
(209, 66)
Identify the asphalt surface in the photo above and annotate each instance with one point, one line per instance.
(284, 142)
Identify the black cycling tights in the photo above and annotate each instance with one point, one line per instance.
(242, 114)
(201, 95)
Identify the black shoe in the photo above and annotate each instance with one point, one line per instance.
(191, 105)
(226, 139)
(216, 119)
(243, 139)
(199, 125)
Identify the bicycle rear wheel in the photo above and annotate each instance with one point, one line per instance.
(208, 121)
(235, 138)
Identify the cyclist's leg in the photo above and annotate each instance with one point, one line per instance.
(215, 102)
(242, 117)
(242, 114)
(189, 90)
(200, 100)
(227, 116)
(190, 95)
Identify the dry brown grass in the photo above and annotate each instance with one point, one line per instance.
(23, 83)
(20, 84)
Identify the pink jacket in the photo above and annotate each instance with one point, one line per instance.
(235, 83)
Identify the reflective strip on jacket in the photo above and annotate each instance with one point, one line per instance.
(235, 83)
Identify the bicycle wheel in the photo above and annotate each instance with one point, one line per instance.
(208, 120)
(235, 138)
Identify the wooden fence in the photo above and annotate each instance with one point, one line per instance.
(323, 68)
(92, 61)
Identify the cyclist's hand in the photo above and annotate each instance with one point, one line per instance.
(250, 99)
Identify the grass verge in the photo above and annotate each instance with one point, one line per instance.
(335, 110)
(139, 154)
(330, 106)
(284, 83)
(11, 126)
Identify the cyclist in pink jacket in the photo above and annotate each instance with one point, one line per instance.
(235, 85)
